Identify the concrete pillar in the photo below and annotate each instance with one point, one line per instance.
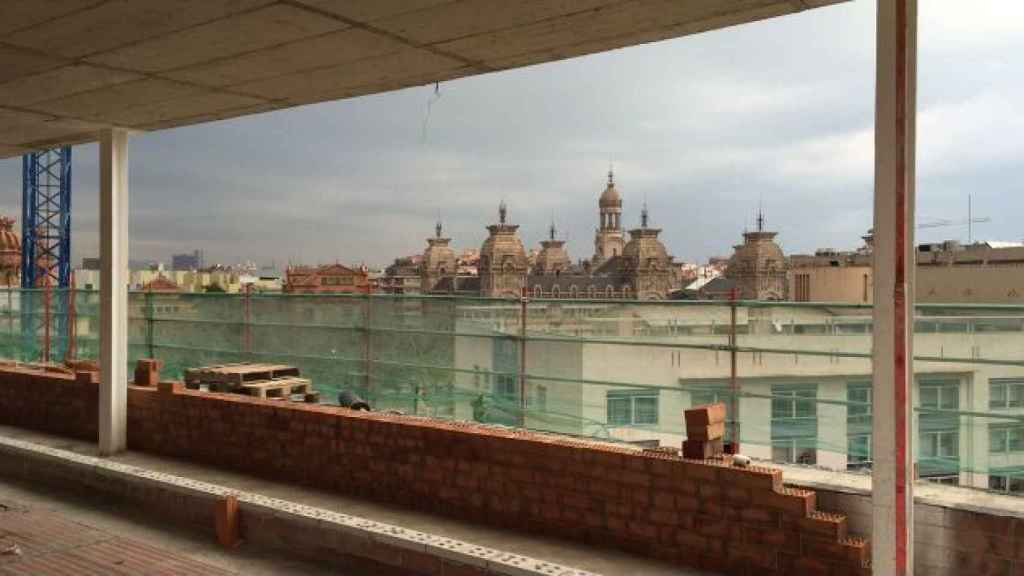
(113, 291)
(892, 496)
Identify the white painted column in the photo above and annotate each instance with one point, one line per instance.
(892, 496)
(113, 422)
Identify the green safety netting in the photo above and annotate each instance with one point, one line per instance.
(616, 370)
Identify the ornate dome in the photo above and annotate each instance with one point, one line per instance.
(610, 198)
(439, 257)
(553, 257)
(10, 248)
(759, 252)
(503, 250)
(645, 251)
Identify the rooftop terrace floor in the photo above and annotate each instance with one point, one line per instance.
(55, 534)
(601, 561)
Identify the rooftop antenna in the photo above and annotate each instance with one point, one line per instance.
(643, 213)
(552, 229)
(437, 227)
(502, 212)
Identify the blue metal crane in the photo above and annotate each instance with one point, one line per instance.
(46, 254)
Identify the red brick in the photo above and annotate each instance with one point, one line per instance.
(702, 449)
(705, 415)
(714, 431)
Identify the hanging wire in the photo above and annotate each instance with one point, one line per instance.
(430, 104)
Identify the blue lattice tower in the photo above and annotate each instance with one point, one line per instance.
(46, 248)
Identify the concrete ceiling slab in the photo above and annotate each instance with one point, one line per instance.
(373, 11)
(276, 24)
(325, 83)
(71, 66)
(105, 103)
(109, 25)
(18, 62)
(197, 105)
(59, 83)
(333, 49)
(20, 14)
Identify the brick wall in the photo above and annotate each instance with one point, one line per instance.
(48, 401)
(706, 514)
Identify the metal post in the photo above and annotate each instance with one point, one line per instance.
(368, 339)
(247, 322)
(113, 291)
(892, 496)
(734, 386)
(149, 322)
(522, 358)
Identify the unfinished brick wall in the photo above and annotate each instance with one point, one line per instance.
(705, 514)
(49, 402)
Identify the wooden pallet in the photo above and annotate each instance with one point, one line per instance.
(279, 388)
(229, 377)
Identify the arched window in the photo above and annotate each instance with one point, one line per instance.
(609, 292)
(555, 292)
(592, 291)
(625, 291)
(574, 291)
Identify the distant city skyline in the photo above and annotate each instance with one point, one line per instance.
(703, 127)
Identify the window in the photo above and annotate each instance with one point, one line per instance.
(858, 426)
(574, 292)
(555, 292)
(536, 291)
(940, 395)
(803, 287)
(609, 292)
(795, 423)
(625, 291)
(1004, 393)
(1003, 438)
(1012, 483)
(939, 433)
(632, 407)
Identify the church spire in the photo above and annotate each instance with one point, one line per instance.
(643, 215)
(437, 229)
(611, 176)
(502, 212)
(552, 231)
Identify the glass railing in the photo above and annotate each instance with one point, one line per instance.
(798, 376)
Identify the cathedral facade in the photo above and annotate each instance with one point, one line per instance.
(640, 269)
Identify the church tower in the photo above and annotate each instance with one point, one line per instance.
(758, 266)
(438, 261)
(503, 266)
(609, 240)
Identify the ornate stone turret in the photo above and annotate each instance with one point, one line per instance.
(438, 261)
(503, 266)
(10, 253)
(609, 239)
(646, 264)
(553, 258)
(758, 265)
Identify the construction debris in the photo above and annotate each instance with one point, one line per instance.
(267, 381)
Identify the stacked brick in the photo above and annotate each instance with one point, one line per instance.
(705, 431)
(147, 372)
(701, 513)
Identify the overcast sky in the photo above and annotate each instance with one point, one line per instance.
(704, 128)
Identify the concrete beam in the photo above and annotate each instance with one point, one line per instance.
(113, 417)
(895, 137)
